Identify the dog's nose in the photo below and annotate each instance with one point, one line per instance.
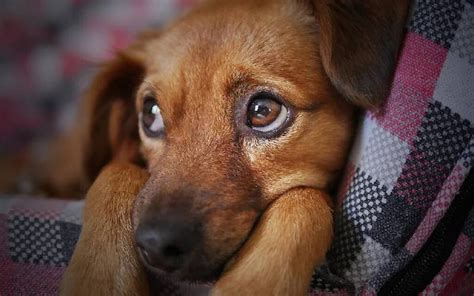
(166, 244)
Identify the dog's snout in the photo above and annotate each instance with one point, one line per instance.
(166, 243)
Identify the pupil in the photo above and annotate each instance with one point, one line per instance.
(150, 110)
(151, 121)
(261, 110)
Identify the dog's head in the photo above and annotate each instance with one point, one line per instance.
(231, 106)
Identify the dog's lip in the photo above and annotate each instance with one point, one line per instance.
(180, 275)
(148, 266)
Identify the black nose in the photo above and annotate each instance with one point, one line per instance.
(166, 243)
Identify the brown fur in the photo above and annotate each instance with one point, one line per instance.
(104, 262)
(262, 204)
(280, 256)
(359, 45)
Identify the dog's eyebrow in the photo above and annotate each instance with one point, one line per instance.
(240, 83)
(149, 85)
(237, 83)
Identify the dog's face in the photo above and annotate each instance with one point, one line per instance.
(228, 123)
(235, 105)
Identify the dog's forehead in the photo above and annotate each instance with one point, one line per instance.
(202, 61)
(222, 42)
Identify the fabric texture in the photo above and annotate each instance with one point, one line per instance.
(404, 220)
(37, 238)
(402, 225)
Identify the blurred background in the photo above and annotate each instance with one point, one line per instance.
(49, 49)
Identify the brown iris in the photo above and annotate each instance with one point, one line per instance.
(263, 111)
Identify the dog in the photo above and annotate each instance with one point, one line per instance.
(215, 142)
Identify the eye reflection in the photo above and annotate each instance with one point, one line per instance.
(151, 119)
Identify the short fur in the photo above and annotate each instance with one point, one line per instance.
(262, 205)
(104, 262)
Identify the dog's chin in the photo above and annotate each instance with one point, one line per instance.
(187, 278)
(194, 274)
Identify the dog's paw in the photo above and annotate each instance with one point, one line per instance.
(229, 288)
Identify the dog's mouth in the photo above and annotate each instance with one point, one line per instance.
(197, 270)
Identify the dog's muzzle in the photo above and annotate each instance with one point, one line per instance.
(166, 242)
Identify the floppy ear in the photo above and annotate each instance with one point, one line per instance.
(359, 45)
(111, 124)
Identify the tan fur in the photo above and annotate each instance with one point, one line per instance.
(279, 258)
(104, 261)
(262, 203)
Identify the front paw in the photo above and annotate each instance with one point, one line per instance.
(289, 241)
(229, 287)
(104, 261)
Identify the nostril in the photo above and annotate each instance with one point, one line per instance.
(167, 258)
(145, 255)
(166, 244)
(161, 249)
(172, 251)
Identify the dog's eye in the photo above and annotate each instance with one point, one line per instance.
(265, 113)
(151, 120)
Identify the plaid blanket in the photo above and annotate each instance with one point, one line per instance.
(405, 218)
(37, 238)
(404, 223)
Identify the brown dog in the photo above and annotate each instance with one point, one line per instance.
(245, 114)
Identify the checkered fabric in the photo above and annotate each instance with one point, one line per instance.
(404, 223)
(37, 238)
(399, 204)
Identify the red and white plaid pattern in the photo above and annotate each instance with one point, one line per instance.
(409, 162)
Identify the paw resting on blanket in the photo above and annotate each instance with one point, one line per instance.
(105, 261)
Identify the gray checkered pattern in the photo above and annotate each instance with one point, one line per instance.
(468, 155)
(390, 268)
(384, 157)
(395, 224)
(322, 285)
(367, 262)
(443, 135)
(463, 44)
(437, 20)
(360, 211)
(35, 240)
(364, 201)
(325, 281)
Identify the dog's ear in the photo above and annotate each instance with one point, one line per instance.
(359, 43)
(110, 121)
